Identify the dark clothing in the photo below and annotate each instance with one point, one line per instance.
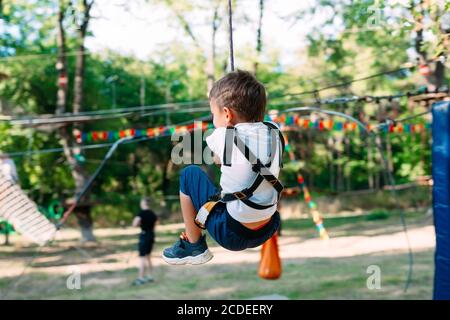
(148, 220)
(228, 232)
(147, 235)
(146, 241)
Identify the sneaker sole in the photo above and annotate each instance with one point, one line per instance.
(199, 259)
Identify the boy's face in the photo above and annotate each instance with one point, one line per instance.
(220, 116)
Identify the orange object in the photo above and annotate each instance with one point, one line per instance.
(270, 264)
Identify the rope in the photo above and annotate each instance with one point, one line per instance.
(230, 25)
(85, 118)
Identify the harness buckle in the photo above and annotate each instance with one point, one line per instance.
(199, 224)
(239, 195)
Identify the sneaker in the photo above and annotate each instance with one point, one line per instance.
(184, 252)
(139, 282)
(149, 279)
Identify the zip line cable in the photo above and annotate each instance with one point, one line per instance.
(109, 114)
(163, 106)
(342, 84)
(75, 118)
(230, 30)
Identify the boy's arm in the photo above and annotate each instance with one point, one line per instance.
(136, 222)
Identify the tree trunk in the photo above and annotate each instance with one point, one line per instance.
(212, 58)
(78, 172)
(259, 37)
(61, 103)
(61, 65)
(80, 59)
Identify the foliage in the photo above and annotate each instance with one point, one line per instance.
(330, 163)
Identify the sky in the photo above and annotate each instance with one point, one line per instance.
(141, 29)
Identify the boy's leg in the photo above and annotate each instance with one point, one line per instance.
(149, 265)
(195, 190)
(141, 267)
(193, 232)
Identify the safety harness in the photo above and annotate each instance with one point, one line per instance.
(262, 173)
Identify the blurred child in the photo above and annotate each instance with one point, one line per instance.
(146, 219)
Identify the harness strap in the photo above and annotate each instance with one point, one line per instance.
(283, 143)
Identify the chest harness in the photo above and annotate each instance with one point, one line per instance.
(262, 173)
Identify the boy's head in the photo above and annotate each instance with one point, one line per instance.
(145, 203)
(237, 97)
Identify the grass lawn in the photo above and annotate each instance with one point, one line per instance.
(107, 271)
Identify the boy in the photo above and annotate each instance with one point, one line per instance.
(146, 219)
(244, 214)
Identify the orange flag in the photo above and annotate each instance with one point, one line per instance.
(270, 264)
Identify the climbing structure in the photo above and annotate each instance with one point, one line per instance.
(23, 214)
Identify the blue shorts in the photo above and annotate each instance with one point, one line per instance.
(225, 230)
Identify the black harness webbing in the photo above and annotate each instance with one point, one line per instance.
(262, 170)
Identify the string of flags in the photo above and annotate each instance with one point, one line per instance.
(346, 126)
(316, 216)
(287, 123)
(160, 131)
